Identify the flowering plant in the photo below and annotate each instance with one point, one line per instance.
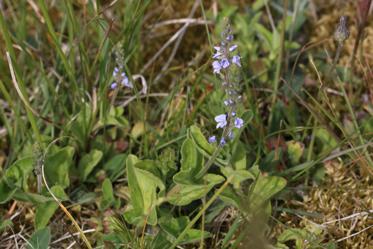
(225, 65)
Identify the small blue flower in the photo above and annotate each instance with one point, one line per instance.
(218, 53)
(222, 141)
(228, 102)
(238, 123)
(229, 37)
(221, 120)
(233, 114)
(212, 139)
(216, 66)
(224, 63)
(116, 71)
(124, 81)
(236, 60)
(232, 48)
(113, 85)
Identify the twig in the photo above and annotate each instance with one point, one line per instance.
(125, 103)
(189, 21)
(349, 217)
(177, 43)
(354, 234)
(160, 51)
(71, 235)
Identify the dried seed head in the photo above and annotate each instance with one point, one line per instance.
(341, 34)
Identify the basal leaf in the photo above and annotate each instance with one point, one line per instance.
(264, 188)
(188, 155)
(182, 194)
(88, 163)
(57, 167)
(199, 139)
(107, 194)
(238, 175)
(6, 192)
(143, 187)
(115, 167)
(40, 239)
(239, 157)
(17, 174)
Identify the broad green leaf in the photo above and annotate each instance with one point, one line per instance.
(264, 188)
(40, 239)
(30, 197)
(258, 4)
(327, 141)
(238, 175)
(167, 161)
(182, 194)
(298, 235)
(116, 166)
(107, 194)
(174, 226)
(143, 186)
(295, 151)
(43, 213)
(17, 174)
(45, 210)
(199, 139)
(239, 156)
(57, 167)
(150, 166)
(213, 179)
(137, 200)
(184, 177)
(161, 241)
(6, 192)
(88, 163)
(188, 156)
(230, 197)
(138, 130)
(191, 163)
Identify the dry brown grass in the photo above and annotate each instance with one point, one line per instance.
(343, 202)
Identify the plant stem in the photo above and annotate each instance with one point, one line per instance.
(279, 62)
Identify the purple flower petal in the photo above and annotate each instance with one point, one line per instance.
(232, 48)
(238, 123)
(236, 60)
(221, 121)
(125, 82)
(224, 63)
(216, 66)
(113, 85)
(222, 141)
(212, 139)
(217, 55)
